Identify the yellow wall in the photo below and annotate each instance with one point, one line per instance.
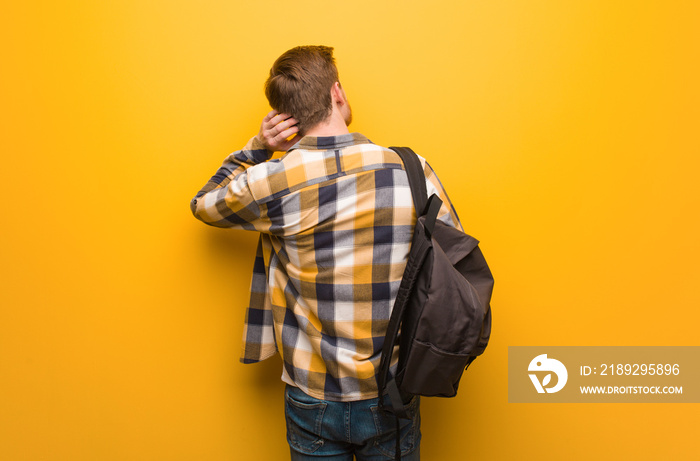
(566, 133)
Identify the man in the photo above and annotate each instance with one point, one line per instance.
(336, 218)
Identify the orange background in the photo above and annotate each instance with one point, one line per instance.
(566, 134)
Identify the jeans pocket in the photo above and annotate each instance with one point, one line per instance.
(385, 424)
(304, 416)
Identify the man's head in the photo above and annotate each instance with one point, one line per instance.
(303, 83)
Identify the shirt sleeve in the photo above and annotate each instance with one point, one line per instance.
(447, 213)
(226, 199)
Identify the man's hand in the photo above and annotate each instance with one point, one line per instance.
(275, 130)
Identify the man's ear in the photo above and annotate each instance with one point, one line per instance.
(337, 94)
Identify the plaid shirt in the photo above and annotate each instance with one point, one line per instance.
(336, 219)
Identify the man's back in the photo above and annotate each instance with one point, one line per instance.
(337, 218)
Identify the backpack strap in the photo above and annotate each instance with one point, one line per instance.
(419, 249)
(416, 177)
(431, 212)
(428, 207)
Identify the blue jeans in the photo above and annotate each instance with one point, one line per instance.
(325, 430)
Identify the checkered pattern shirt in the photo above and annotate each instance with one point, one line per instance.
(336, 219)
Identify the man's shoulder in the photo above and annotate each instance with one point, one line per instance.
(307, 166)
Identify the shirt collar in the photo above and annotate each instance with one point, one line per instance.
(330, 142)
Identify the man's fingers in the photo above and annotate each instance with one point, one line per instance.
(280, 119)
(273, 118)
(283, 125)
(275, 130)
(286, 133)
(270, 115)
(277, 119)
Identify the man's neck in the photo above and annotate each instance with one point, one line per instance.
(334, 126)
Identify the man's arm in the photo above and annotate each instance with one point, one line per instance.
(225, 200)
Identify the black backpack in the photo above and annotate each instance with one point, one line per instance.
(442, 308)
